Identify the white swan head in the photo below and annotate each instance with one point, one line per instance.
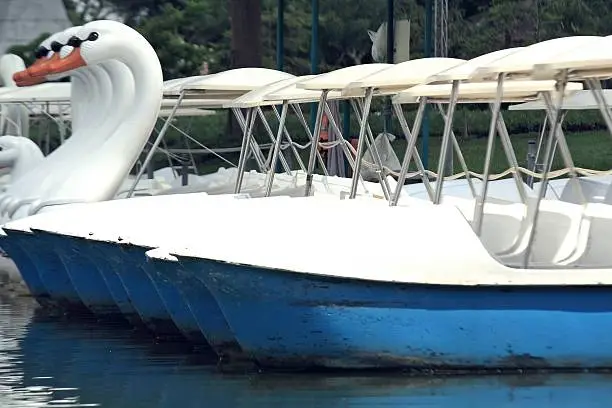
(48, 51)
(95, 43)
(18, 154)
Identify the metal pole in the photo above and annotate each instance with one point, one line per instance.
(511, 156)
(271, 135)
(277, 147)
(462, 163)
(300, 115)
(250, 120)
(410, 147)
(428, 53)
(315, 142)
(346, 125)
(479, 208)
(448, 124)
(361, 142)
(380, 171)
(156, 143)
(390, 57)
(291, 144)
(280, 34)
(314, 51)
(554, 114)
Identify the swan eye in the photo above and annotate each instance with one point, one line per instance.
(41, 52)
(74, 42)
(56, 46)
(93, 36)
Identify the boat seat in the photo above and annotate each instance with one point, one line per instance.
(592, 190)
(501, 225)
(557, 235)
(594, 247)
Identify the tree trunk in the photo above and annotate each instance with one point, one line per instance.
(245, 21)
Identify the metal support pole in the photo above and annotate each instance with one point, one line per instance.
(315, 141)
(290, 140)
(298, 112)
(277, 147)
(249, 121)
(346, 122)
(448, 123)
(428, 53)
(256, 150)
(480, 200)
(280, 34)
(411, 139)
(268, 129)
(511, 156)
(361, 142)
(457, 148)
(566, 155)
(156, 143)
(554, 125)
(334, 126)
(314, 50)
(380, 172)
(390, 57)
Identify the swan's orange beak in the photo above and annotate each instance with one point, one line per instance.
(29, 81)
(72, 61)
(43, 69)
(22, 78)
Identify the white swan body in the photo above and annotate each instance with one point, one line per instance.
(14, 119)
(96, 175)
(10, 200)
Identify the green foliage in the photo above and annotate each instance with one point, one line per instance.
(26, 52)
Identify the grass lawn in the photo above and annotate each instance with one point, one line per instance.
(590, 149)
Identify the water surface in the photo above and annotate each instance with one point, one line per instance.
(48, 362)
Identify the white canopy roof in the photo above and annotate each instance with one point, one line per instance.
(240, 79)
(592, 60)
(257, 97)
(580, 100)
(482, 91)
(55, 93)
(51, 92)
(340, 78)
(463, 72)
(401, 76)
(523, 61)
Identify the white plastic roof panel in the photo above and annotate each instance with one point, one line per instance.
(592, 60)
(523, 61)
(240, 79)
(47, 92)
(515, 90)
(405, 74)
(463, 71)
(257, 97)
(340, 78)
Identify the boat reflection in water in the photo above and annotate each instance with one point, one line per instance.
(48, 362)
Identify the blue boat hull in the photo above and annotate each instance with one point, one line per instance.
(179, 311)
(126, 262)
(35, 253)
(292, 320)
(206, 312)
(10, 244)
(85, 276)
